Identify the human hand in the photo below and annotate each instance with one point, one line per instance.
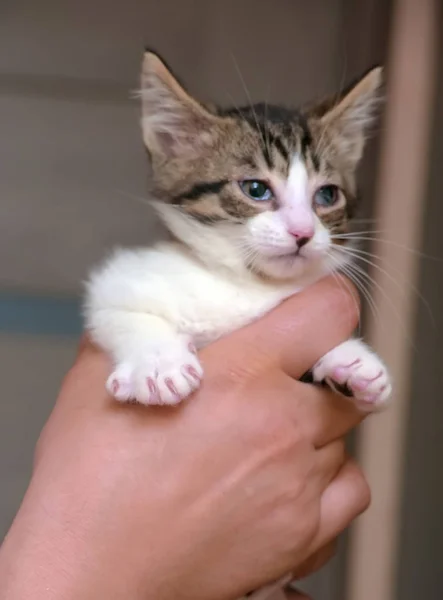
(204, 501)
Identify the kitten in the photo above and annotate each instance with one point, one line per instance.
(257, 201)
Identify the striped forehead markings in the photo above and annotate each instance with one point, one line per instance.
(200, 189)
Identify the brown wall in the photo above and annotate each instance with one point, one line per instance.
(71, 155)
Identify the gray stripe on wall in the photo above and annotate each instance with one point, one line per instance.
(38, 315)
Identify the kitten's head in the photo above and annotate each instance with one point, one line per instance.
(261, 187)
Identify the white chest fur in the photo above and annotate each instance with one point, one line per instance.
(167, 282)
(148, 308)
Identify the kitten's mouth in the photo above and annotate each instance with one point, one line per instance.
(294, 254)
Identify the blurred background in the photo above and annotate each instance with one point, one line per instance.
(73, 173)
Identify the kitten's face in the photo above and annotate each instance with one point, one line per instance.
(275, 185)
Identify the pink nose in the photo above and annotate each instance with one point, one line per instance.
(302, 236)
(302, 241)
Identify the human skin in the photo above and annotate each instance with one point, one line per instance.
(243, 483)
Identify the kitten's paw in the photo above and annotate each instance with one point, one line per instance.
(354, 367)
(166, 375)
(120, 383)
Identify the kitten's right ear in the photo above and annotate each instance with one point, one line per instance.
(173, 122)
(348, 118)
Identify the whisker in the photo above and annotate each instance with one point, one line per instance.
(139, 199)
(373, 282)
(361, 255)
(335, 103)
(351, 234)
(389, 242)
(362, 286)
(364, 278)
(248, 95)
(335, 273)
(366, 293)
(266, 120)
(235, 106)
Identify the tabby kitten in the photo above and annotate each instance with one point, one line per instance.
(256, 200)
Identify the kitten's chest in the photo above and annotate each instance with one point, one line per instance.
(217, 307)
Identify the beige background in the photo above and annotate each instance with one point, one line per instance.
(71, 155)
(72, 165)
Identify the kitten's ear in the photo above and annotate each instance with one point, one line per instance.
(349, 119)
(172, 121)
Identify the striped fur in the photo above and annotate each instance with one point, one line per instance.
(200, 153)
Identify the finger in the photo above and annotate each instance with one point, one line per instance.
(294, 335)
(325, 315)
(344, 499)
(324, 415)
(330, 460)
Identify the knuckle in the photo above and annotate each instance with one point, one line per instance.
(274, 426)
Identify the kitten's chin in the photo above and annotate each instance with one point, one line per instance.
(291, 266)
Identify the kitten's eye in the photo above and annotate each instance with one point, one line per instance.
(255, 189)
(327, 196)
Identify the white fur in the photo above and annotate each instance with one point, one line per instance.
(149, 307)
(146, 306)
(273, 235)
(361, 370)
(297, 201)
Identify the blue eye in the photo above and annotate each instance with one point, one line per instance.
(256, 189)
(327, 196)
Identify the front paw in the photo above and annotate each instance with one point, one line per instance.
(166, 374)
(360, 371)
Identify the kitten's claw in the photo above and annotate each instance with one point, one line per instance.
(166, 375)
(354, 367)
(120, 383)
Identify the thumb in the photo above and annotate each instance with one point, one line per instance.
(294, 335)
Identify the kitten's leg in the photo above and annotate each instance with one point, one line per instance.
(153, 364)
(353, 368)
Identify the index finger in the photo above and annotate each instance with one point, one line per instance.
(325, 416)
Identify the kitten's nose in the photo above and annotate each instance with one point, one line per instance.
(302, 237)
(302, 241)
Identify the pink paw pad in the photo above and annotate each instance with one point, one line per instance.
(341, 374)
(362, 384)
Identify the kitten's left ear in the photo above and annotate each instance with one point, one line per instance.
(173, 123)
(348, 119)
